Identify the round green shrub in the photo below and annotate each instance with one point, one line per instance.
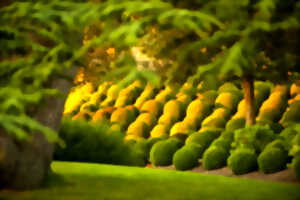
(272, 160)
(278, 143)
(242, 160)
(227, 135)
(186, 157)
(222, 142)
(214, 157)
(288, 135)
(152, 141)
(296, 166)
(161, 153)
(235, 124)
(204, 139)
(254, 137)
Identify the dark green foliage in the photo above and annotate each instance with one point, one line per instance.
(235, 124)
(242, 160)
(227, 135)
(161, 153)
(222, 142)
(296, 166)
(288, 135)
(186, 157)
(278, 143)
(272, 160)
(292, 115)
(92, 143)
(254, 137)
(203, 139)
(210, 96)
(214, 157)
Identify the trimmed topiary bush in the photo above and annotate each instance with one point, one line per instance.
(242, 160)
(204, 139)
(186, 157)
(272, 160)
(214, 157)
(254, 137)
(235, 124)
(225, 143)
(227, 135)
(139, 129)
(161, 153)
(292, 114)
(152, 106)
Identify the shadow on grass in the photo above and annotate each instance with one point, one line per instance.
(53, 180)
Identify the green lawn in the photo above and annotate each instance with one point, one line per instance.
(73, 181)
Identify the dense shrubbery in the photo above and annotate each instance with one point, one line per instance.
(95, 143)
(161, 153)
(186, 157)
(242, 160)
(203, 139)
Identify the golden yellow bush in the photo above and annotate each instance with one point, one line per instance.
(147, 118)
(159, 130)
(295, 89)
(138, 129)
(167, 119)
(122, 116)
(173, 108)
(152, 106)
(164, 95)
(180, 128)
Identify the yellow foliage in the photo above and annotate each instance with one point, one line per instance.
(121, 116)
(107, 102)
(102, 89)
(184, 99)
(195, 107)
(138, 128)
(112, 92)
(173, 108)
(272, 102)
(102, 114)
(147, 118)
(147, 94)
(164, 95)
(152, 106)
(283, 89)
(76, 97)
(295, 89)
(241, 110)
(159, 130)
(225, 99)
(166, 119)
(180, 128)
(121, 101)
(296, 98)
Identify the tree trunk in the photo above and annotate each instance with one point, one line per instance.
(248, 86)
(24, 165)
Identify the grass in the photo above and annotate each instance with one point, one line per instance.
(72, 181)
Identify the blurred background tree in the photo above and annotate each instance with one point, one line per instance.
(196, 40)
